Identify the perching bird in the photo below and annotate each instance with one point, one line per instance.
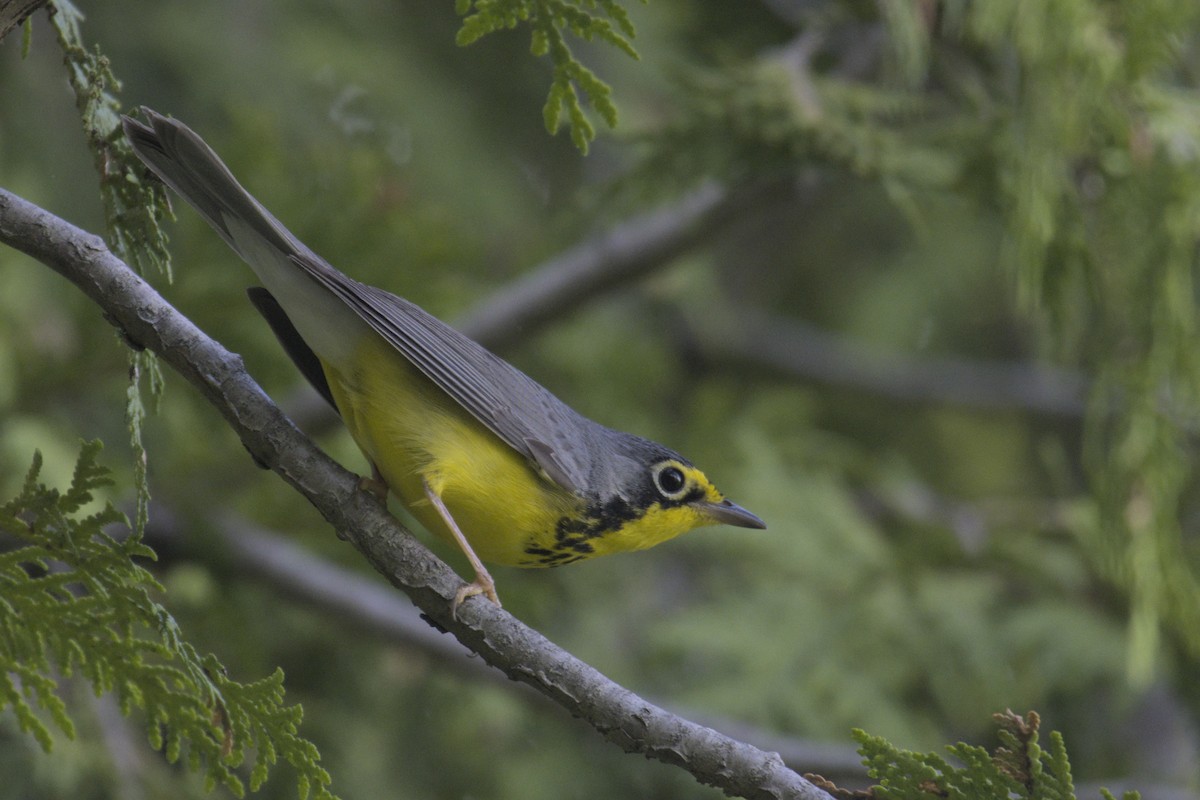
(479, 452)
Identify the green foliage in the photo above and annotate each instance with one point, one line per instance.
(766, 116)
(133, 208)
(73, 601)
(1075, 127)
(1018, 768)
(924, 565)
(589, 20)
(1108, 795)
(1097, 180)
(902, 615)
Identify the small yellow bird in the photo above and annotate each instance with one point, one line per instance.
(479, 452)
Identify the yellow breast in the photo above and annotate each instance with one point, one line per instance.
(414, 432)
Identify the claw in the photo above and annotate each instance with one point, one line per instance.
(374, 484)
(482, 584)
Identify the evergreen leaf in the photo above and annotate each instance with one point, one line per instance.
(1018, 769)
(74, 601)
(588, 20)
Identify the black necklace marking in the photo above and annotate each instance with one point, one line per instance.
(572, 535)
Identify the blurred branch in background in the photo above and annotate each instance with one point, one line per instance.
(791, 348)
(522, 654)
(126, 753)
(1159, 739)
(629, 251)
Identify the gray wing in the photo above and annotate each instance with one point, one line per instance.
(518, 409)
(532, 421)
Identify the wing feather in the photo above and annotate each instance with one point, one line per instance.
(539, 426)
(535, 423)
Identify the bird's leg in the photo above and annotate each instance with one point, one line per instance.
(483, 583)
(375, 484)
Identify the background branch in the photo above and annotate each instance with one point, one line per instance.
(802, 351)
(521, 653)
(14, 12)
(628, 251)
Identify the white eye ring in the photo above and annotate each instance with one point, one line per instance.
(670, 480)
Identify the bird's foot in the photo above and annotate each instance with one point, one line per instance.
(483, 584)
(374, 484)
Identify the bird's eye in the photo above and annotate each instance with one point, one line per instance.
(670, 481)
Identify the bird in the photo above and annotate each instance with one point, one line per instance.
(477, 451)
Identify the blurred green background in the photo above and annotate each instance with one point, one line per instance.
(952, 226)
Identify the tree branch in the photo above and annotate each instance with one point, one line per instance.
(521, 653)
(792, 348)
(14, 12)
(352, 599)
(628, 251)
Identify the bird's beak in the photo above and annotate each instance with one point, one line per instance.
(729, 513)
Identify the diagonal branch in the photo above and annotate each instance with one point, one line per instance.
(363, 604)
(622, 717)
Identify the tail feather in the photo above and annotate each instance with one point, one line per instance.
(292, 342)
(327, 326)
(189, 166)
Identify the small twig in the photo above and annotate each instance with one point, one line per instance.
(524, 655)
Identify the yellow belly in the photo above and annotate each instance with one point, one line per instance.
(414, 432)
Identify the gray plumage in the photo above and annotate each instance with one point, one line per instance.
(575, 452)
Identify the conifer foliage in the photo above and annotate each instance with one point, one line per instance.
(1019, 767)
(548, 20)
(76, 603)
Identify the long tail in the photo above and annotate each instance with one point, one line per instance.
(189, 166)
(324, 322)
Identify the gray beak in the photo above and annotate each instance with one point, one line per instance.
(730, 513)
